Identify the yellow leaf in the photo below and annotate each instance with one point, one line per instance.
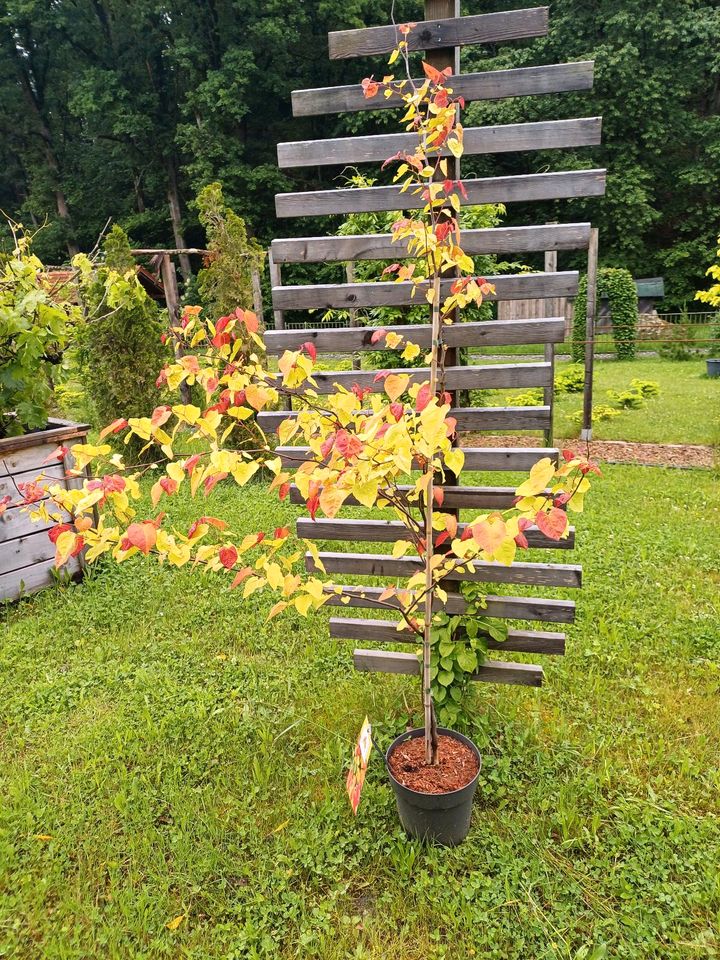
(400, 548)
(540, 475)
(393, 340)
(175, 922)
(278, 608)
(274, 576)
(393, 56)
(455, 460)
(303, 604)
(287, 430)
(243, 472)
(411, 351)
(396, 385)
(64, 546)
(366, 492)
(331, 499)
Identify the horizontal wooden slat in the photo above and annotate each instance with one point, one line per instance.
(560, 236)
(388, 531)
(488, 376)
(489, 85)
(58, 431)
(523, 188)
(507, 608)
(503, 138)
(385, 631)
(23, 552)
(46, 476)
(518, 459)
(469, 419)
(489, 333)
(492, 671)
(351, 296)
(458, 498)
(382, 565)
(450, 32)
(33, 578)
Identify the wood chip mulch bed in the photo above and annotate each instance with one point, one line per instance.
(680, 455)
(457, 765)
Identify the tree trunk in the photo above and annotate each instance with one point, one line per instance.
(176, 219)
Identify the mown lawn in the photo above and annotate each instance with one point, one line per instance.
(165, 752)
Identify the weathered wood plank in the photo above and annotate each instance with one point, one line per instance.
(489, 333)
(33, 578)
(456, 498)
(23, 552)
(519, 459)
(488, 376)
(45, 475)
(492, 671)
(388, 531)
(560, 236)
(15, 523)
(350, 296)
(469, 419)
(382, 565)
(58, 431)
(522, 188)
(489, 85)
(385, 631)
(503, 138)
(432, 34)
(506, 608)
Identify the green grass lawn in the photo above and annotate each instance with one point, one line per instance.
(165, 752)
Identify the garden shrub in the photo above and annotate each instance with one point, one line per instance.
(571, 380)
(600, 412)
(649, 389)
(225, 282)
(119, 344)
(618, 286)
(627, 399)
(531, 398)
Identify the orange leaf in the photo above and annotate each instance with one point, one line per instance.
(240, 576)
(141, 535)
(115, 427)
(552, 524)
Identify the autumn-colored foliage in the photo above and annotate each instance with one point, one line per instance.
(392, 447)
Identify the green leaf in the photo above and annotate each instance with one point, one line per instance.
(445, 677)
(467, 660)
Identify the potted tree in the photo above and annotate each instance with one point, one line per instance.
(712, 297)
(391, 448)
(36, 320)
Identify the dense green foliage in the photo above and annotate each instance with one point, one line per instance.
(119, 344)
(225, 281)
(167, 753)
(36, 326)
(110, 109)
(617, 286)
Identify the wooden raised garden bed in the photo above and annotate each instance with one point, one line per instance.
(26, 553)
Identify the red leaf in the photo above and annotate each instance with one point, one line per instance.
(191, 463)
(160, 415)
(55, 532)
(312, 505)
(360, 392)
(378, 335)
(115, 427)
(397, 410)
(228, 557)
(213, 480)
(240, 576)
(310, 349)
(169, 485)
(284, 490)
(522, 541)
(568, 454)
(347, 444)
(281, 533)
(438, 496)
(423, 397)
(140, 535)
(552, 524)
(370, 88)
(59, 453)
(381, 376)
(79, 544)
(441, 538)
(5, 503)
(31, 492)
(114, 483)
(467, 533)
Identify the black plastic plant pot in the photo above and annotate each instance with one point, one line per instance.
(443, 818)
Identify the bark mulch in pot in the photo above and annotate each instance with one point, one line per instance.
(457, 766)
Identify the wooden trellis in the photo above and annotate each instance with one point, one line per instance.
(441, 35)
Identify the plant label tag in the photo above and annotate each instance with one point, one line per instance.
(359, 765)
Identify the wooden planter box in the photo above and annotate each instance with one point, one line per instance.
(26, 553)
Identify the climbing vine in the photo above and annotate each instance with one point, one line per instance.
(618, 286)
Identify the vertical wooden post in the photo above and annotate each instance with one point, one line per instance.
(350, 278)
(172, 299)
(586, 432)
(276, 281)
(551, 263)
(257, 293)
